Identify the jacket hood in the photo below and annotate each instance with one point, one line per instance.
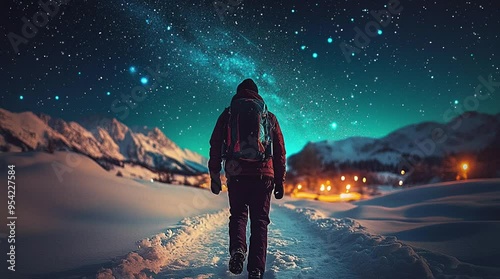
(246, 94)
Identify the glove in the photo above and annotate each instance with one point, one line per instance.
(215, 183)
(278, 190)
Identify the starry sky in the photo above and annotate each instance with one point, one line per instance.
(175, 64)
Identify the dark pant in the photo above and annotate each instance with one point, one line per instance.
(250, 193)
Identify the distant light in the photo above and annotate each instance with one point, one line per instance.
(108, 93)
(400, 182)
(330, 40)
(352, 54)
(132, 69)
(144, 80)
(348, 187)
(152, 180)
(21, 97)
(465, 166)
(315, 55)
(299, 186)
(364, 179)
(322, 188)
(352, 19)
(379, 32)
(328, 188)
(403, 172)
(293, 11)
(57, 97)
(342, 178)
(79, 73)
(356, 178)
(303, 47)
(455, 102)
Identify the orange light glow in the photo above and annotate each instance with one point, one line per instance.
(465, 166)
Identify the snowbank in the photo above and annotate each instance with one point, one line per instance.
(375, 256)
(72, 213)
(165, 248)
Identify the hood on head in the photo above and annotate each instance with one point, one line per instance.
(247, 89)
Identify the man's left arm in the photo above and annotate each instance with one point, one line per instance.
(279, 154)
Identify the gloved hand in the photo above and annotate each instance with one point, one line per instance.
(278, 190)
(215, 183)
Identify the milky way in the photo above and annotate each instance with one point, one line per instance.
(327, 69)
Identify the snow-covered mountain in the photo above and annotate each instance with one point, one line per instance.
(471, 132)
(108, 141)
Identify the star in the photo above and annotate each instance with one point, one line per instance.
(144, 80)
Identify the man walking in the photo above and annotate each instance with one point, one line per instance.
(248, 138)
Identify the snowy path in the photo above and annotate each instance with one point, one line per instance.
(294, 251)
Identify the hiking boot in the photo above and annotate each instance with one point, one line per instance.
(255, 274)
(236, 261)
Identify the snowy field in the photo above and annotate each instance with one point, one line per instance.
(78, 221)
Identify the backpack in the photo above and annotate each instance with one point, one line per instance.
(247, 133)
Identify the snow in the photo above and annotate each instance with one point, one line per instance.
(470, 132)
(73, 213)
(459, 219)
(77, 220)
(106, 140)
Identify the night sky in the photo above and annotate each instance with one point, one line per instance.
(176, 64)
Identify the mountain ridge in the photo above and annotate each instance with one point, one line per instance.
(106, 140)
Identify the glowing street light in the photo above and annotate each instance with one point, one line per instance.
(348, 187)
(322, 188)
(342, 178)
(328, 188)
(299, 186)
(403, 172)
(400, 182)
(356, 178)
(364, 179)
(465, 166)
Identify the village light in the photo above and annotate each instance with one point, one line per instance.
(348, 187)
(465, 166)
(400, 182)
(322, 188)
(328, 188)
(299, 186)
(364, 179)
(342, 178)
(403, 172)
(356, 178)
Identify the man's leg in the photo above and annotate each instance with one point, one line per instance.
(259, 203)
(239, 215)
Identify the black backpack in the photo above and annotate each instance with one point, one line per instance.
(248, 131)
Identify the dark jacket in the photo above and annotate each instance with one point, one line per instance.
(273, 168)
